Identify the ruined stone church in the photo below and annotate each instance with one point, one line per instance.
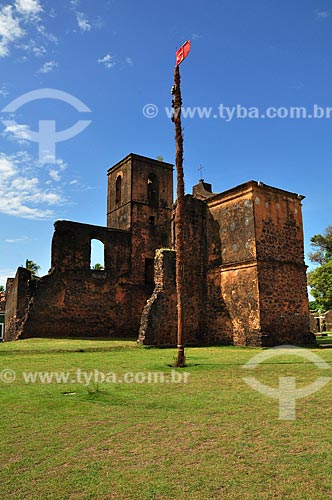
(244, 267)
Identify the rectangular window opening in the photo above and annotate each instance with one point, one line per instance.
(149, 271)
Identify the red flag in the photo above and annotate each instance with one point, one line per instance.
(182, 52)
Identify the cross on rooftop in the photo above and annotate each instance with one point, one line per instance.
(200, 169)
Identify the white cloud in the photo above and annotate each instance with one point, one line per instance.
(7, 169)
(18, 133)
(25, 185)
(54, 174)
(17, 240)
(48, 67)
(83, 22)
(57, 161)
(10, 29)
(108, 61)
(45, 34)
(43, 197)
(22, 20)
(28, 7)
(48, 158)
(62, 165)
(32, 48)
(21, 191)
(38, 51)
(323, 14)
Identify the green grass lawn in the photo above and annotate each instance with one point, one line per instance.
(327, 339)
(211, 438)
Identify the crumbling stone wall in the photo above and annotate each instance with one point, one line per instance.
(159, 319)
(244, 272)
(195, 261)
(18, 293)
(71, 248)
(245, 278)
(74, 300)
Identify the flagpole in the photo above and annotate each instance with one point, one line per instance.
(179, 217)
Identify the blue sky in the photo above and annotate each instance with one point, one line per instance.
(116, 57)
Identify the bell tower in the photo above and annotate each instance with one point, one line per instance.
(140, 199)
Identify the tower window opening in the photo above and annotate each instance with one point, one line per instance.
(153, 191)
(118, 190)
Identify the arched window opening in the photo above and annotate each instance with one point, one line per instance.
(118, 190)
(97, 260)
(153, 191)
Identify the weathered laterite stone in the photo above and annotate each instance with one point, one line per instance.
(244, 268)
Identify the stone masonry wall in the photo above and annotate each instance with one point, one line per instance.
(159, 319)
(232, 267)
(281, 269)
(18, 293)
(147, 217)
(261, 259)
(74, 300)
(195, 262)
(240, 291)
(244, 271)
(283, 303)
(218, 321)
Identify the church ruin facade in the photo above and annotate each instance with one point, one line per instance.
(244, 267)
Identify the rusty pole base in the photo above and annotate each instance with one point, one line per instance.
(181, 359)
